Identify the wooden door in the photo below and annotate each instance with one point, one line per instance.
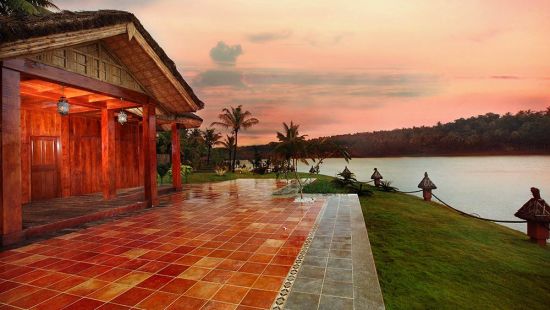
(45, 160)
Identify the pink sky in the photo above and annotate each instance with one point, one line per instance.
(339, 67)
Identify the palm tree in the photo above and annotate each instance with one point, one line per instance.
(236, 119)
(211, 138)
(11, 7)
(292, 146)
(228, 144)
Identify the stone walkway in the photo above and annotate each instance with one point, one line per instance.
(338, 271)
(227, 245)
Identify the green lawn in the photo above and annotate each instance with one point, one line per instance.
(429, 257)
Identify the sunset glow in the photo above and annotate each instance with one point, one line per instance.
(339, 67)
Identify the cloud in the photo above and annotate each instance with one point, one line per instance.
(263, 37)
(224, 54)
(319, 40)
(213, 78)
(505, 77)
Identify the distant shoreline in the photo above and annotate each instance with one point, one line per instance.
(470, 154)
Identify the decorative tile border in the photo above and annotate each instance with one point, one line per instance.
(279, 302)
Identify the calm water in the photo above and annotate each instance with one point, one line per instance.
(491, 186)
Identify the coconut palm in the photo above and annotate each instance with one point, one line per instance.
(235, 120)
(10, 7)
(211, 138)
(228, 143)
(292, 146)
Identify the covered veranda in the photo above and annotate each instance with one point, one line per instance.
(80, 112)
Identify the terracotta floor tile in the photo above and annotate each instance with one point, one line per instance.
(173, 270)
(240, 256)
(17, 292)
(267, 250)
(187, 303)
(93, 271)
(67, 283)
(203, 290)
(113, 274)
(253, 268)
(183, 253)
(155, 282)
(243, 279)
(34, 298)
(194, 273)
(218, 276)
(208, 262)
(111, 306)
(57, 302)
(273, 243)
(231, 246)
(109, 292)
(259, 298)
(177, 286)
(276, 270)
(248, 247)
(230, 264)
(201, 251)
(84, 304)
(283, 260)
(158, 300)
(133, 278)
(261, 258)
(231, 294)
(188, 260)
(87, 287)
(216, 305)
(132, 296)
(220, 253)
(268, 283)
(8, 285)
(153, 266)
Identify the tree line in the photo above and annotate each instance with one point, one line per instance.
(526, 132)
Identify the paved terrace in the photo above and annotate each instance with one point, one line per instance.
(229, 245)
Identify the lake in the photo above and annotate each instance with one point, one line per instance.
(491, 186)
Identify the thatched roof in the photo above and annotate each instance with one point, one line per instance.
(16, 28)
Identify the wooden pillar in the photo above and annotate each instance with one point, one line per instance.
(108, 153)
(176, 159)
(10, 156)
(150, 155)
(65, 157)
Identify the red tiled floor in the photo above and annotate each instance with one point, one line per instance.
(133, 296)
(231, 294)
(259, 298)
(84, 304)
(187, 303)
(158, 300)
(216, 246)
(203, 290)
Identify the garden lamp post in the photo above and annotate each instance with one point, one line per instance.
(376, 176)
(537, 214)
(426, 185)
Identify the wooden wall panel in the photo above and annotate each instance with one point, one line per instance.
(128, 149)
(34, 123)
(85, 155)
(81, 162)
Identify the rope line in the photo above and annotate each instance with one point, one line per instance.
(474, 216)
(411, 192)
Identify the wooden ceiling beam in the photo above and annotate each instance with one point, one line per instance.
(75, 80)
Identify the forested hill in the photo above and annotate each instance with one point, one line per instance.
(526, 132)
